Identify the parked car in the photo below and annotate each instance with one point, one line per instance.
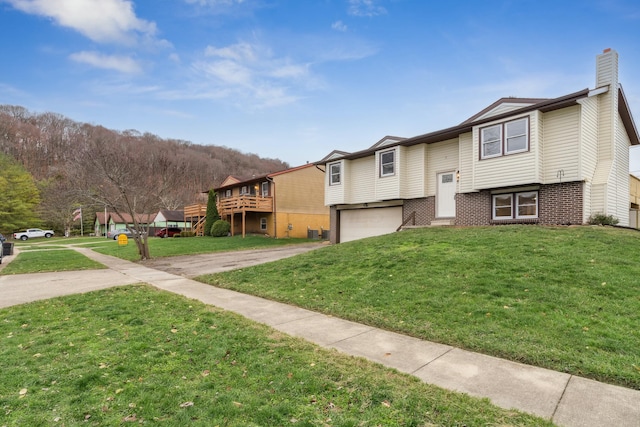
(114, 234)
(168, 232)
(31, 233)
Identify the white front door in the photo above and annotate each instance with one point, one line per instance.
(446, 195)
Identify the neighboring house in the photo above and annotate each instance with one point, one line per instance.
(117, 221)
(289, 203)
(541, 161)
(108, 221)
(634, 195)
(169, 218)
(100, 224)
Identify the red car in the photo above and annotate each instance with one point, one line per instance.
(168, 232)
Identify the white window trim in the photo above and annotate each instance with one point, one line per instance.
(493, 207)
(482, 143)
(514, 206)
(503, 138)
(264, 189)
(392, 163)
(244, 190)
(525, 134)
(339, 173)
(263, 224)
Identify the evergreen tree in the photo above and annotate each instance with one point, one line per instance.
(212, 213)
(19, 197)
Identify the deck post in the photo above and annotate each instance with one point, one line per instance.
(244, 213)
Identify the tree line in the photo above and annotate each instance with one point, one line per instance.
(79, 164)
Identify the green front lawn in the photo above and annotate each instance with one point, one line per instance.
(192, 245)
(134, 355)
(50, 260)
(564, 298)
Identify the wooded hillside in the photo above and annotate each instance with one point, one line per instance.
(46, 144)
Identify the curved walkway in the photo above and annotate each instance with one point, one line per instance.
(565, 399)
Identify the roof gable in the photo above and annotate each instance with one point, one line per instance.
(230, 180)
(387, 140)
(503, 105)
(335, 154)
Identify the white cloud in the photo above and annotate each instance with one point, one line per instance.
(237, 52)
(366, 8)
(102, 21)
(339, 26)
(251, 74)
(123, 64)
(214, 2)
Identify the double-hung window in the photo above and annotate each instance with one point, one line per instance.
(388, 163)
(504, 138)
(522, 205)
(335, 173)
(265, 189)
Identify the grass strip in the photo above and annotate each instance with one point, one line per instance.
(49, 261)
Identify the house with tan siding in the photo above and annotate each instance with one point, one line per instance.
(288, 203)
(520, 160)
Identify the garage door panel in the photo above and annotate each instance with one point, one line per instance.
(360, 223)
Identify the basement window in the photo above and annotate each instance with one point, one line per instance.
(522, 205)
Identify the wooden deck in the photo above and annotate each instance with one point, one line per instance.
(245, 203)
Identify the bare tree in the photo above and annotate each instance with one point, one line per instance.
(127, 177)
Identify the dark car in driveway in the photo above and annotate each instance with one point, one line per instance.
(168, 232)
(114, 234)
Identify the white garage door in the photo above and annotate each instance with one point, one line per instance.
(360, 223)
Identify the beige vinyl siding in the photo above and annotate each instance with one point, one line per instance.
(560, 145)
(361, 180)
(622, 174)
(387, 187)
(335, 194)
(442, 157)
(589, 154)
(467, 157)
(413, 172)
(514, 169)
(588, 137)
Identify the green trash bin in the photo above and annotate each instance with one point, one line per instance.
(7, 248)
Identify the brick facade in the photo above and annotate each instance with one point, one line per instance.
(558, 204)
(425, 210)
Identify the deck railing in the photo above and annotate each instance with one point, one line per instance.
(245, 203)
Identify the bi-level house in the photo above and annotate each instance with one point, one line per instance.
(542, 161)
(288, 203)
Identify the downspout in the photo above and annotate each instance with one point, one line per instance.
(275, 217)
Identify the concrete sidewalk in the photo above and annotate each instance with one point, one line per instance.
(565, 399)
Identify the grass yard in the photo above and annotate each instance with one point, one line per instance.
(192, 245)
(564, 298)
(135, 355)
(48, 259)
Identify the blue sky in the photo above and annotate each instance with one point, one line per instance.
(296, 79)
